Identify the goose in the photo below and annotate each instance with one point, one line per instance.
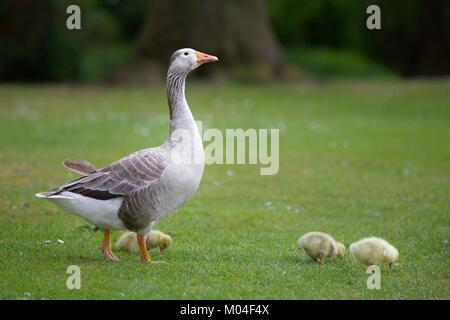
(133, 193)
(155, 239)
(319, 245)
(374, 251)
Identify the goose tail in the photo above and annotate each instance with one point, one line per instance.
(50, 195)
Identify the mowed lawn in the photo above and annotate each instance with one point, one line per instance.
(356, 160)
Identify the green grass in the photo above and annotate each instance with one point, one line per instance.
(357, 159)
(331, 64)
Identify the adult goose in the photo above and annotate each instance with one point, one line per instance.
(138, 190)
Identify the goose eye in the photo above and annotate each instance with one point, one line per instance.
(186, 53)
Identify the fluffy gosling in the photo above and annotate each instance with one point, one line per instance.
(158, 239)
(155, 239)
(319, 245)
(374, 251)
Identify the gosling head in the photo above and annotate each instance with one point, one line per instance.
(185, 60)
(340, 249)
(164, 242)
(392, 257)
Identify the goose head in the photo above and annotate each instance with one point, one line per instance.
(185, 60)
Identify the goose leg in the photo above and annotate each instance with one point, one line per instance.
(141, 239)
(106, 247)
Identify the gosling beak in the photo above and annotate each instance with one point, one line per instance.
(203, 57)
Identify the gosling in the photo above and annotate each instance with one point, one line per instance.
(155, 239)
(319, 245)
(374, 251)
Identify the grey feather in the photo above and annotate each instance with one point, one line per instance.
(82, 167)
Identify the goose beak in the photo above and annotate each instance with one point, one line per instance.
(203, 57)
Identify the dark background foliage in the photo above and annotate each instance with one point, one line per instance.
(321, 38)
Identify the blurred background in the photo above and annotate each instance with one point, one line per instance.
(129, 42)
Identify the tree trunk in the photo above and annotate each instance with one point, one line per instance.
(238, 32)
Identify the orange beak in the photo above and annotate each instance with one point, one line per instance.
(203, 57)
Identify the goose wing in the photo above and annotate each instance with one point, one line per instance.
(121, 178)
(82, 167)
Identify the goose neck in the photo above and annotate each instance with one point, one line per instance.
(180, 114)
